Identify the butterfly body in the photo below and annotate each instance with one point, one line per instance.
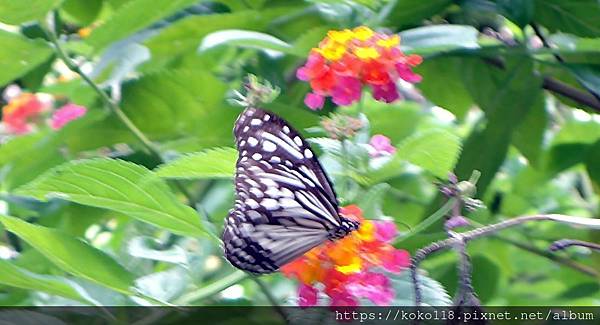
(285, 204)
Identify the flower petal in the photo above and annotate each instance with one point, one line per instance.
(307, 295)
(396, 261)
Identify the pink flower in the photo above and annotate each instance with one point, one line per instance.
(386, 92)
(381, 145)
(307, 295)
(373, 286)
(346, 91)
(314, 101)
(396, 261)
(405, 73)
(385, 231)
(343, 298)
(66, 114)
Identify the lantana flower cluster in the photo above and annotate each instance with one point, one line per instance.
(25, 112)
(346, 60)
(351, 268)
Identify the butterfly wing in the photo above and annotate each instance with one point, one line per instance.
(285, 204)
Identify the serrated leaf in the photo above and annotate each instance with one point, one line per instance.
(432, 292)
(18, 277)
(72, 255)
(434, 150)
(14, 12)
(212, 163)
(132, 17)
(119, 186)
(20, 55)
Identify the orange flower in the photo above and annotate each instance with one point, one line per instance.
(342, 266)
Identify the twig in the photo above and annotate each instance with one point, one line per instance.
(564, 243)
(422, 253)
(553, 257)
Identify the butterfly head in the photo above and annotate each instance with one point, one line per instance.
(346, 227)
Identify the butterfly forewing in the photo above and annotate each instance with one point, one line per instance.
(285, 204)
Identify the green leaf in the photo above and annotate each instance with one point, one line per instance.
(20, 55)
(442, 85)
(247, 39)
(179, 102)
(18, 277)
(396, 121)
(592, 164)
(439, 37)
(84, 12)
(588, 76)
(120, 186)
(72, 255)
(147, 247)
(185, 35)
(18, 147)
(132, 17)
(14, 12)
(486, 276)
(529, 136)
(435, 151)
(579, 17)
(409, 12)
(309, 40)
(506, 96)
(371, 202)
(432, 292)
(574, 131)
(212, 163)
(518, 11)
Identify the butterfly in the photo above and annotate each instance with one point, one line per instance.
(285, 205)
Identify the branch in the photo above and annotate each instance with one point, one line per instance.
(422, 253)
(564, 243)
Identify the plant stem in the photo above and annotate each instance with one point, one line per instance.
(211, 289)
(440, 213)
(565, 243)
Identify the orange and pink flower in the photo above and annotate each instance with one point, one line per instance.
(351, 268)
(21, 113)
(346, 60)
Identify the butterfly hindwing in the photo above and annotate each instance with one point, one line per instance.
(285, 204)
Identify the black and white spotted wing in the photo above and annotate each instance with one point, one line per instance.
(285, 204)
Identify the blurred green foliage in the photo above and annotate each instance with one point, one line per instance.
(82, 227)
